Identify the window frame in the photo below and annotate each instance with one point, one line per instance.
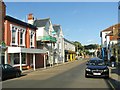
(32, 40)
(23, 31)
(13, 27)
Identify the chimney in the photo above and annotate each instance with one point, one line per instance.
(30, 18)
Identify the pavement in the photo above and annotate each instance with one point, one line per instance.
(48, 67)
(115, 77)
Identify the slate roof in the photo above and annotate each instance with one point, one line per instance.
(56, 27)
(41, 22)
(11, 19)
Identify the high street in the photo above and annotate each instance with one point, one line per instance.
(68, 75)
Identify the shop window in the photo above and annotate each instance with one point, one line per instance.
(17, 59)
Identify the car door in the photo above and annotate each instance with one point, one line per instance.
(9, 71)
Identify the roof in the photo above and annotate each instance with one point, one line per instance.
(56, 27)
(108, 29)
(111, 27)
(41, 22)
(110, 34)
(68, 41)
(11, 19)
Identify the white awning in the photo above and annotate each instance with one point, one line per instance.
(25, 50)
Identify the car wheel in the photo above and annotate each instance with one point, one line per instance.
(17, 74)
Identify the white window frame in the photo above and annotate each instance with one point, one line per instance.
(16, 34)
(33, 38)
(23, 40)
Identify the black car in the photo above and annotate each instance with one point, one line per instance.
(7, 71)
(96, 68)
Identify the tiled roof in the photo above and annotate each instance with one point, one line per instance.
(108, 29)
(41, 22)
(11, 19)
(111, 27)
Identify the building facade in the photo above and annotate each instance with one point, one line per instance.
(45, 37)
(59, 45)
(70, 53)
(110, 41)
(20, 38)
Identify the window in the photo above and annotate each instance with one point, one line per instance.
(17, 59)
(32, 37)
(22, 37)
(14, 35)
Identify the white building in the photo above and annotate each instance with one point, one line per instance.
(44, 36)
(59, 45)
(108, 39)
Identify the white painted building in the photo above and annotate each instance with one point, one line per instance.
(59, 45)
(108, 39)
(44, 36)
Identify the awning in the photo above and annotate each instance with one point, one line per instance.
(25, 50)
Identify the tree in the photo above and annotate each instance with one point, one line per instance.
(78, 46)
(91, 46)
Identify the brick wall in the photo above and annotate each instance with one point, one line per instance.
(2, 15)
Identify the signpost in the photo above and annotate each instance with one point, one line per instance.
(2, 51)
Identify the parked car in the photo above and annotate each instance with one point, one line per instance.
(7, 71)
(96, 68)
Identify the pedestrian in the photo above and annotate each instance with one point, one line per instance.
(112, 61)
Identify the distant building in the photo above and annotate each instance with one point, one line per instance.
(70, 53)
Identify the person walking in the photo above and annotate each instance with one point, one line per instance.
(112, 61)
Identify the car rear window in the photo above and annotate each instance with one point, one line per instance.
(96, 62)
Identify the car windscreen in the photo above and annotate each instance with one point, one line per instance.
(97, 62)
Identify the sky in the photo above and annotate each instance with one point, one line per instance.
(80, 21)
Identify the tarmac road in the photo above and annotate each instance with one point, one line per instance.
(69, 75)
